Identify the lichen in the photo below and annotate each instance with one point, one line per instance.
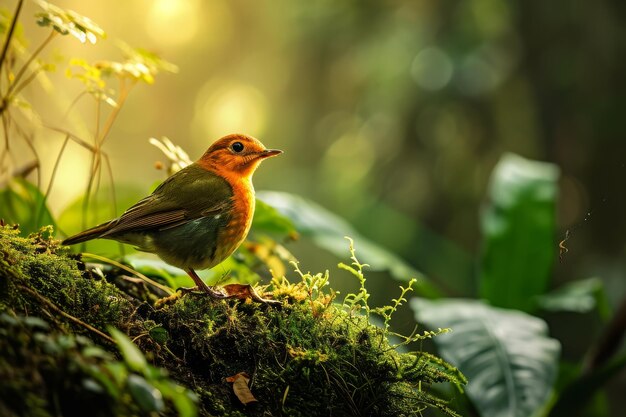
(308, 357)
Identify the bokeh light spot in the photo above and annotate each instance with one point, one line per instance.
(432, 69)
(173, 22)
(350, 159)
(225, 107)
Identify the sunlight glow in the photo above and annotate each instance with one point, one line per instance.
(226, 107)
(173, 22)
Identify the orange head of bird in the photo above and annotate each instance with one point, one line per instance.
(236, 155)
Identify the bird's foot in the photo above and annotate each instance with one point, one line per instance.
(245, 291)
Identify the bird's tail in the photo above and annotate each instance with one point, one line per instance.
(89, 234)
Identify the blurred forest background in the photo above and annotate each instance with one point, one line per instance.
(391, 114)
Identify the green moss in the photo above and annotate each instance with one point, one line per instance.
(36, 268)
(309, 357)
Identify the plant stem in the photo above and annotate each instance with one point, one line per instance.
(7, 41)
(115, 112)
(5, 129)
(75, 138)
(22, 70)
(138, 274)
(52, 177)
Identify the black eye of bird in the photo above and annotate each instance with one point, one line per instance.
(237, 147)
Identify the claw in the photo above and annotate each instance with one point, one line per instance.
(256, 297)
(238, 291)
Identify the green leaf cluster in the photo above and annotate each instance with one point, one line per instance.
(501, 342)
(66, 22)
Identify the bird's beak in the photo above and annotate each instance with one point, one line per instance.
(267, 153)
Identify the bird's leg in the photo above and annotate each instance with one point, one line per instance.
(200, 286)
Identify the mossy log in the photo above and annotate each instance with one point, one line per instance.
(304, 358)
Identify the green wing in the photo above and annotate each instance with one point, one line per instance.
(191, 193)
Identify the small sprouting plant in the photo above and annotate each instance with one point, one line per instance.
(354, 302)
(387, 311)
(313, 286)
(349, 322)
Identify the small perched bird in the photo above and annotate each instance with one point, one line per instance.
(197, 217)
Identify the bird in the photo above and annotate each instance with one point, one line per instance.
(198, 216)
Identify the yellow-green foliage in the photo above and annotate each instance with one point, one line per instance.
(309, 357)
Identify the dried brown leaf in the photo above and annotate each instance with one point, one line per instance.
(241, 389)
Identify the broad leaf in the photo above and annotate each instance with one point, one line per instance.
(130, 352)
(268, 220)
(22, 203)
(518, 231)
(578, 297)
(328, 231)
(184, 400)
(506, 355)
(145, 394)
(241, 389)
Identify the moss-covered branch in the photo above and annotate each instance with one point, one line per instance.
(308, 357)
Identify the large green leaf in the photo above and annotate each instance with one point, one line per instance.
(518, 231)
(328, 231)
(506, 355)
(149, 398)
(268, 220)
(580, 296)
(22, 203)
(130, 352)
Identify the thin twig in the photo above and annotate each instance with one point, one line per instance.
(64, 314)
(73, 103)
(107, 163)
(138, 274)
(7, 41)
(113, 195)
(26, 81)
(52, 177)
(75, 138)
(5, 128)
(96, 134)
(34, 151)
(99, 138)
(27, 63)
(28, 138)
(95, 167)
(121, 98)
(95, 164)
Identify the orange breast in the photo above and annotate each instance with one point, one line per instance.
(242, 212)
